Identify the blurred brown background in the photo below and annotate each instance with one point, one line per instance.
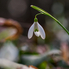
(56, 38)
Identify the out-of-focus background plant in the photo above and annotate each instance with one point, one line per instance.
(16, 16)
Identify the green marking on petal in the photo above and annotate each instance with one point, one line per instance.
(36, 30)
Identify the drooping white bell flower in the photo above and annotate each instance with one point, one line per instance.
(37, 29)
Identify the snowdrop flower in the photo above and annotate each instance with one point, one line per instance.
(37, 29)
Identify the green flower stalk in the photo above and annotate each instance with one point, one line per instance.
(46, 13)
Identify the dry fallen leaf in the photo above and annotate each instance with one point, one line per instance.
(12, 29)
(64, 50)
(32, 67)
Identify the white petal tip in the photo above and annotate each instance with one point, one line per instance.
(31, 5)
(29, 37)
(37, 33)
(43, 37)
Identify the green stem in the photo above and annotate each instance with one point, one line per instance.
(38, 14)
(46, 13)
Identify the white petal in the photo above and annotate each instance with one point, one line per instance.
(41, 30)
(37, 33)
(31, 30)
